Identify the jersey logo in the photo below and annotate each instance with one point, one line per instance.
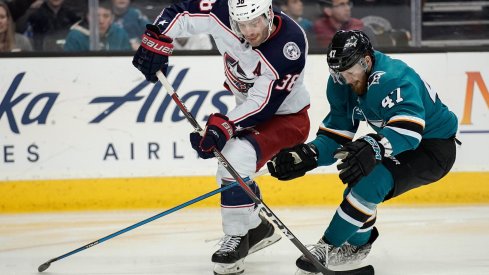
(358, 114)
(236, 75)
(374, 78)
(292, 51)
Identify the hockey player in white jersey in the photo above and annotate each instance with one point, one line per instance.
(264, 54)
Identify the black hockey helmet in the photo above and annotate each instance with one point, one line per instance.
(346, 48)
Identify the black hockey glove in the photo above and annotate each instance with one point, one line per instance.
(219, 129)
(358, 158)
(293, 162)
(195, 139)
(153, 53)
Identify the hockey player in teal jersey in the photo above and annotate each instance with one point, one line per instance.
(413, 143)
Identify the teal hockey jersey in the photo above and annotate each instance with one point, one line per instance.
(398, 104)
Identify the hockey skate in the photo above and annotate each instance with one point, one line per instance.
(262, 236)
(321, 251)
(229, 259)
(334, 256)
(351, 254)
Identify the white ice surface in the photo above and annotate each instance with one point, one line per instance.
(442, 240)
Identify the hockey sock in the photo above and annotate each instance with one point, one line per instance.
(239, 212)
(362, 236)
(357, 212)
(348, 219)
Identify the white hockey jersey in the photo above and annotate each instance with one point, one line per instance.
(266, 80)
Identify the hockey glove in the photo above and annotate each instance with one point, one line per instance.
(293, 162)
(358, 158)
(195, 139)
(153, 53)
(219, 129)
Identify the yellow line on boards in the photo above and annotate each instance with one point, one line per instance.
(164, 193)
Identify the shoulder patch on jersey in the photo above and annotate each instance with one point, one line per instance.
(374, 78)
(292, 51)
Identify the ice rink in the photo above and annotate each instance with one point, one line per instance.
(415, 240)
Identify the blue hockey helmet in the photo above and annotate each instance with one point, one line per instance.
(346, 49)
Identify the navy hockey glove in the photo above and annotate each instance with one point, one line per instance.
(293, 162)
(219, 129)
(153, 53)
(358, 158)
(195, 139)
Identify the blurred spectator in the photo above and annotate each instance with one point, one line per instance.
(295, 9)
(21, 25)
(195, 42)
(336, 16)
(50, 25)
(131, 19)
(78, 6)
(10, 41)
(18, 7)
(384, 2)
(112, 37)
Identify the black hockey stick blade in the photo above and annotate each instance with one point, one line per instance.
(364, 270)
(44, 266)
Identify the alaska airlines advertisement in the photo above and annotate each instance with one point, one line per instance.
(97, 117)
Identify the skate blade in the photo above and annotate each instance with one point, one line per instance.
(264, 243)
(229, 269)
(347, 264)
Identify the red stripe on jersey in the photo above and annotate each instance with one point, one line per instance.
(200, 15)
(226, 86)
(172, 23)
(279, 26)
(259, 108)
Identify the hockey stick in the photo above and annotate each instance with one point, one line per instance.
(169, 89)
(46, 265)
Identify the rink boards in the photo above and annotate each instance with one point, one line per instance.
(90, 133)
(163, 193)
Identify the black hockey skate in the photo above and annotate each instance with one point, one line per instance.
(350, 254)
(262, 236)
(229, 259)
